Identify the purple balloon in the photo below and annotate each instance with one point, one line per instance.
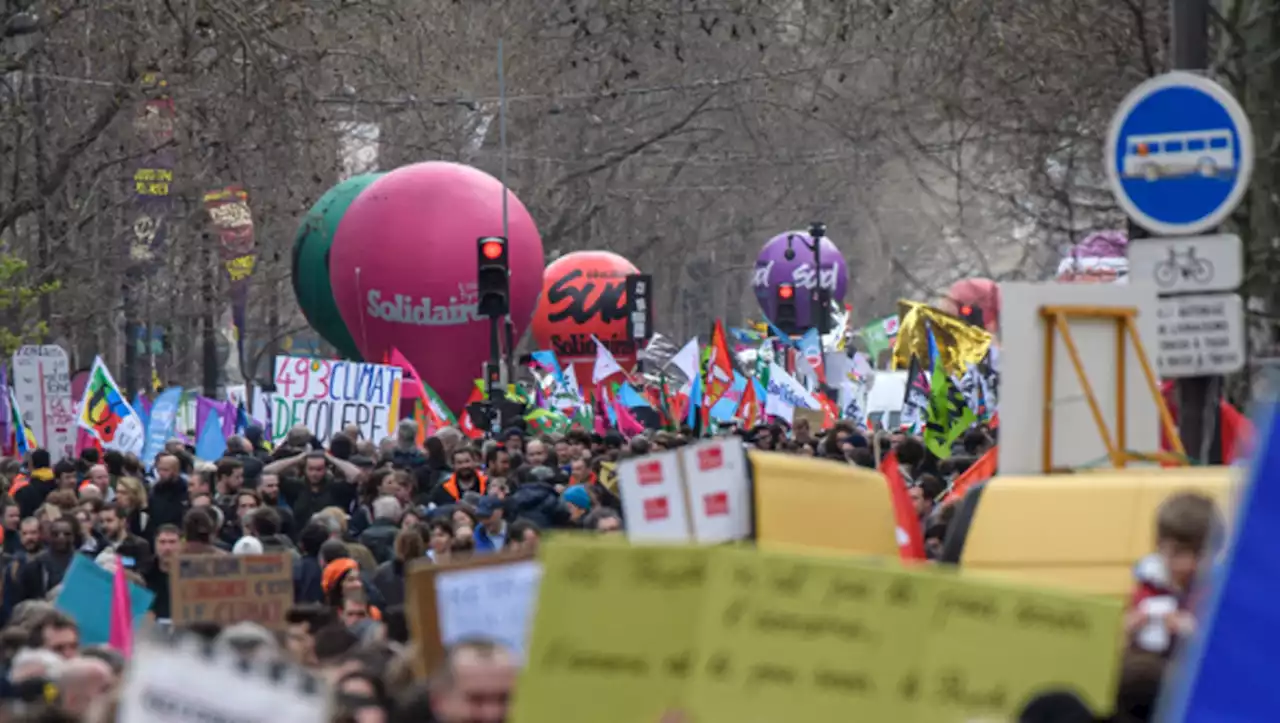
(773, 268)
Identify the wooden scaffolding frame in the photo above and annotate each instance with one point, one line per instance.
(1057, 318)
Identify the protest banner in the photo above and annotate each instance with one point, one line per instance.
(326, 394)
(228, 589)
(86, 597)
(42, 384)
(880, 642)
(184, 680)
(726, 633)
(699, 493)
(490, 596)
(617, 621)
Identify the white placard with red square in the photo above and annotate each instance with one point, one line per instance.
(715, 473)
(652, 493)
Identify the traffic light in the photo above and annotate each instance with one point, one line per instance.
(972, 315)
(786, 313)
(493, 277)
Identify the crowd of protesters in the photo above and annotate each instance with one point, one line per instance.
(355, 515)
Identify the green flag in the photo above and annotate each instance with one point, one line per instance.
(949, 415)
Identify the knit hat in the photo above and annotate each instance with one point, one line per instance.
(247, 546)
(578, 497)
(334, 570)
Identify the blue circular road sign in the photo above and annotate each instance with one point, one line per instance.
(1179, 154)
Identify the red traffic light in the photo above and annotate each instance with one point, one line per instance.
(786, 291)
(966, 310)
(491, 250)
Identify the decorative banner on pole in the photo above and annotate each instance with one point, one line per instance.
(152, 176)
(228, 210)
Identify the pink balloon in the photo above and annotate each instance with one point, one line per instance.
(403, 268)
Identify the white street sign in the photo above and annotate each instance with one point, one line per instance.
(1188, 264)
(1201, 335)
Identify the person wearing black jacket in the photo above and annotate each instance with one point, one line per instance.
(537, 500)
(317, 488)
(168, 501)
(45, 571)
(41, 484)
(307, 569)
(380, 537)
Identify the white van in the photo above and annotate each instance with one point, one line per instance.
(884, 401)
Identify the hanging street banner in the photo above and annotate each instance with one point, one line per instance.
(229, 214)
(152, 177)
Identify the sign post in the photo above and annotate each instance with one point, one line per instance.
(1179, 155)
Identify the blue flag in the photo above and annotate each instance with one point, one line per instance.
(164, 414)
(211, 442)
(142, 409)
(630, 398)
(1224, 673)
(695, 402)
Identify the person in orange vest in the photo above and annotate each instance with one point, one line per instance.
(466, 478)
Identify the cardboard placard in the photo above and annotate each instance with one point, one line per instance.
(698, 493)
(732, 633)
(486, 595)
(229, 589)
(615, 632)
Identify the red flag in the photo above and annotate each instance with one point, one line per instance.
(830, 411)
(980, 471)
(910, 539)
(678, 407)
(464, 420)
(749, 408)
(719, 367)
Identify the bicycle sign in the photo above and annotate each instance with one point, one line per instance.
(1179, 154)
(1180, 265)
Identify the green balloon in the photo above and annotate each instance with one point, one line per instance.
(311, 262)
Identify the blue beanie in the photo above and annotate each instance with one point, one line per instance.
(577, 496)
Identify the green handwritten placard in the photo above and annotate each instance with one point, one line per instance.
(786, 637)
(995, 647)
(614, 633)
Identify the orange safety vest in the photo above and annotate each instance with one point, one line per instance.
(19, 481)
(451, 485)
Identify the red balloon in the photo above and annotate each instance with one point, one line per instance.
(983, 294)
(584, 294)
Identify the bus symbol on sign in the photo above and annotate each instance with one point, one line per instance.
(1179, 154)
(1169, 155)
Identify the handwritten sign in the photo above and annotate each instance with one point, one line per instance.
(727, 633)
(491, 597)
(42, 384)
(614, 633)
(327, 394)
(181, 681)
(228, 589)
(863, 642)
